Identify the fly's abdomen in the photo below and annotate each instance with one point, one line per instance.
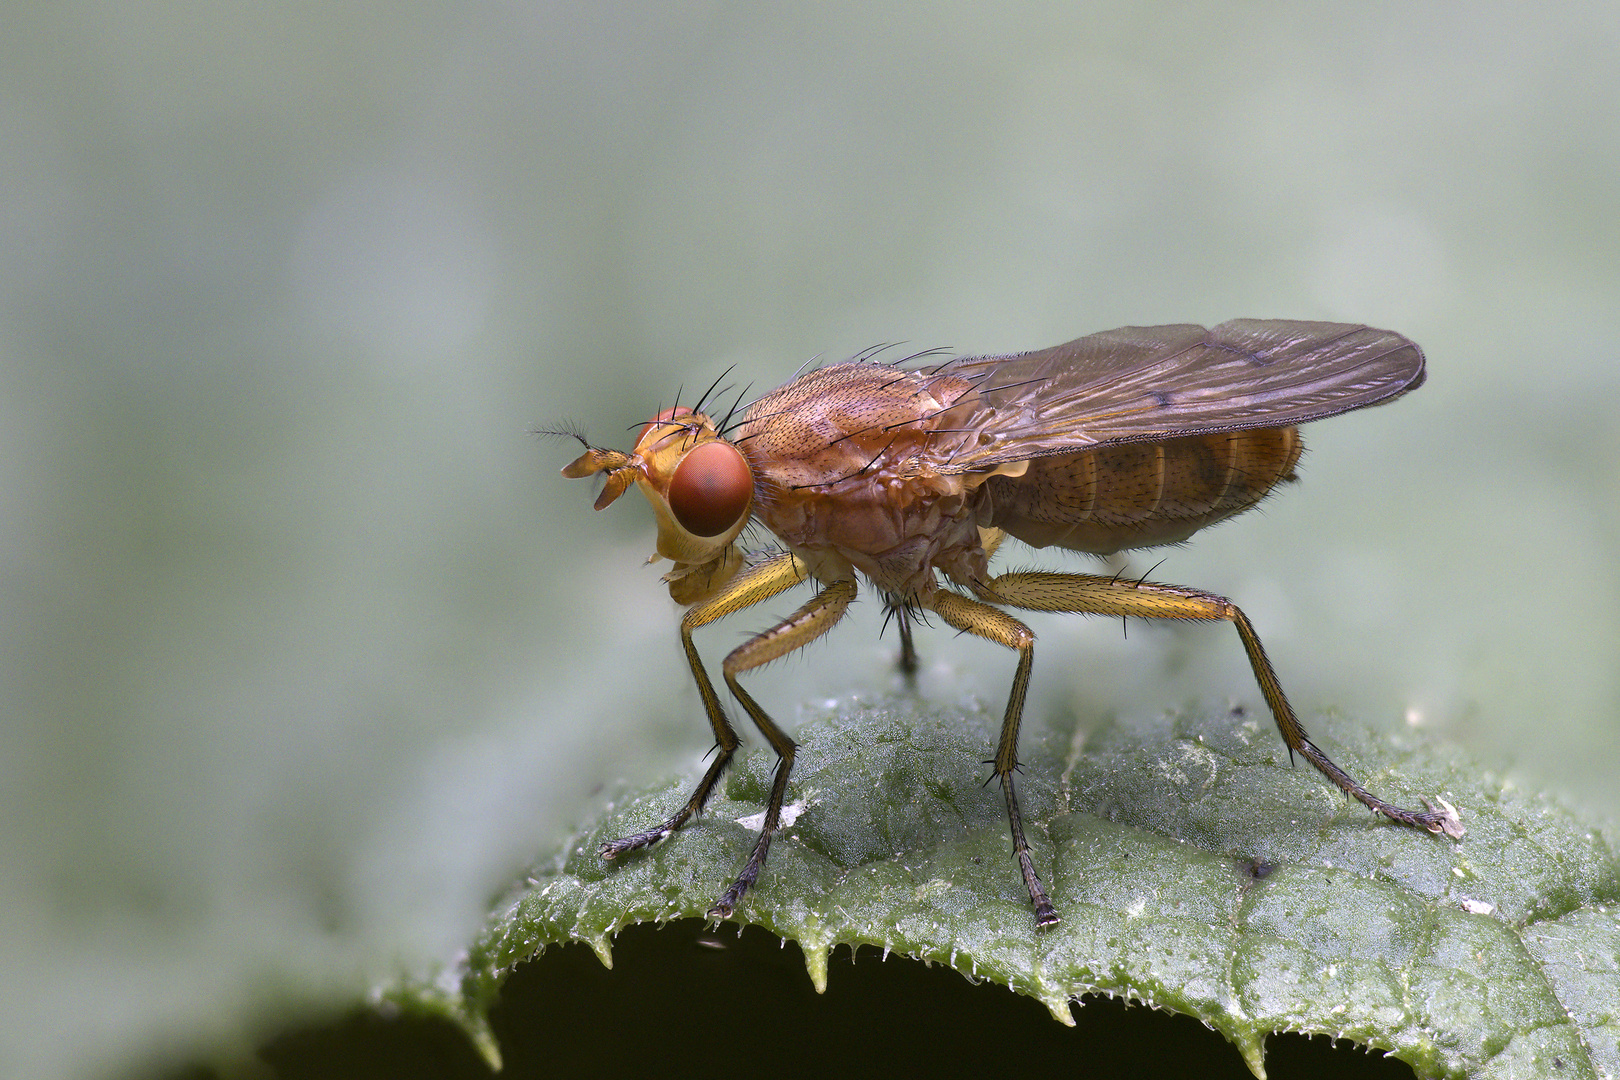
(1140, 494)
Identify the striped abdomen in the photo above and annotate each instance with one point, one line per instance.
(1140, 494)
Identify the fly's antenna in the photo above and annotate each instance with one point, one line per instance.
(566, 429)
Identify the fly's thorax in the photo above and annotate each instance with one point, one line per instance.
(846, 463)
(846, 421)
(850, 441)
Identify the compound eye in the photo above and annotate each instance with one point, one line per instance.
(662, 418)
(711, 488)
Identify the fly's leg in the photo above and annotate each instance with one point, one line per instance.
(998, 626)
(795, 632)
(752, 586)
(1145, 599)
(989, 540)
(908, 650)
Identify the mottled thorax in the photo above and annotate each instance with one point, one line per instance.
(840, 459)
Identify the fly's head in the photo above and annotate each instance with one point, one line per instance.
(701, 490)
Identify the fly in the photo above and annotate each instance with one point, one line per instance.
(911, 477)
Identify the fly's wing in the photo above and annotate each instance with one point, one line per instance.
(1149, 383)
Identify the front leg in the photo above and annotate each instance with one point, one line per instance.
(752, 586)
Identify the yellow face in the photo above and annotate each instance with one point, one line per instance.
(700, 486)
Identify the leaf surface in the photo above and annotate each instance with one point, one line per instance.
(1194, 870)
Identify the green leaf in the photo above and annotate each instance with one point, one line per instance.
(1194, 870)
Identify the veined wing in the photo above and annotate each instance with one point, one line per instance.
(1148, 383)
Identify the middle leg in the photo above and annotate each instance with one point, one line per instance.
(908, 650)
(993, 625)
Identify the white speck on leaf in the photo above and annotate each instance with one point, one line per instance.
(790, 814)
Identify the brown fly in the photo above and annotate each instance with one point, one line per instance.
(912, 476)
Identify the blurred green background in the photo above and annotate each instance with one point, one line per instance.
(307, 646)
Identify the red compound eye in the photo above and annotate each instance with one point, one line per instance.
(662, 418)
(711, 488)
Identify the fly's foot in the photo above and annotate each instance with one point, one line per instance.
(727, 903)
(1046, 915)
(1441, 819)
(612, 849)
(733, 895)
